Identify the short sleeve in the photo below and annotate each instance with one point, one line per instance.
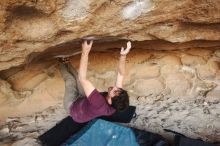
(96, 99)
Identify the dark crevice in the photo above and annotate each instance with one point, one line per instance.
(25, 12)
(5, 74)
(74, 46)
(213, 26)
(22, 12)
(106, 44)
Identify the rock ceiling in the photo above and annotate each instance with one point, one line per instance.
(30, 27)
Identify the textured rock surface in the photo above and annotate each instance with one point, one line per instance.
(173, 70)
(34, 26)
(171, 95)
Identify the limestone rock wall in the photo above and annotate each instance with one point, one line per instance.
(177, 89)
(33, 26)
(172, 71)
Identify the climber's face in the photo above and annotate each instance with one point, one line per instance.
(114, 91)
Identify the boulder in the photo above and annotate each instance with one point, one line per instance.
(208, 71)
(191, 60)
(148, 87)
(178, 84)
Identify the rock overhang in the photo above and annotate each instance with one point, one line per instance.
(35, 27)
(172, 71)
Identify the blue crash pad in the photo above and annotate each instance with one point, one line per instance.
(103, 133)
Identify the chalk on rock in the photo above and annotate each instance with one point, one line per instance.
(137, 8)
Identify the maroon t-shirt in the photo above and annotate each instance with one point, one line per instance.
(88, 108)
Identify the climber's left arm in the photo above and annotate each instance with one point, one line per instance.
(122, 63)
